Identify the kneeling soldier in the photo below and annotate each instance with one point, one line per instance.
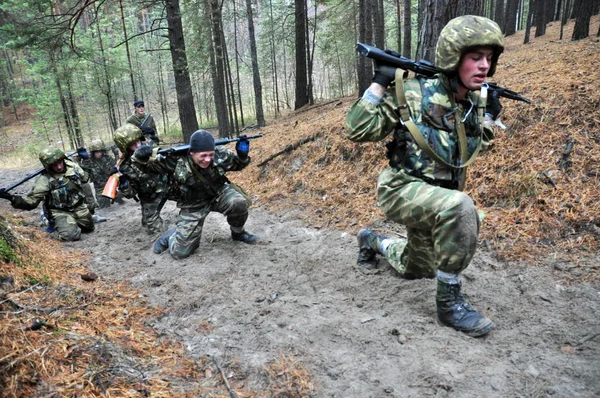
(204, 188)
(60, 186)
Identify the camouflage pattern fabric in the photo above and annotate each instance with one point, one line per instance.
(99, 171)
(65, 198)
(188, 230)
(151, 183)
(199, 187)
(431, 109)
(148, 129)
(69, 225)
(442, 225)
(465, 32)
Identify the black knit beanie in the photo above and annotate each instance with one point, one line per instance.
(202, 141)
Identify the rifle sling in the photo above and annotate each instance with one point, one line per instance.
(406, 120)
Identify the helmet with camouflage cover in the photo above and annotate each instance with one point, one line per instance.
(126, 135)
(50, 155)
(464, 33)
(97, 145)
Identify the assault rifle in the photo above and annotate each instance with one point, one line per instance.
(388, 64)
(181, 150)
(30, 176)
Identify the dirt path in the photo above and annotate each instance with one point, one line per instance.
(361, 334)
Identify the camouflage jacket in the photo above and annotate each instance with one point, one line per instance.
(429, 100)
(148, 181)
(149, 127)
(199, 187)
(98, 169)
(61, 191)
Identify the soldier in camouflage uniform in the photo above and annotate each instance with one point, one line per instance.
(99, 166)
(204, 188)
(423, 193)
(60, 186)
(144, 122)
(147, 181)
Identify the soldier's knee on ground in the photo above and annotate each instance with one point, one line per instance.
(70, 233)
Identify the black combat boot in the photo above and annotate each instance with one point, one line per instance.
(369, 244)
(244, 237)
(162, 243)
(454, 311)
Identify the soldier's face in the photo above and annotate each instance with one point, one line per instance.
(474, 67)
(139, 110)
(98, 154)
(58, 167)
(133, 146)
(203, 159)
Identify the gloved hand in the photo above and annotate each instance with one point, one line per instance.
(242, 147)
(493, 106)
(82, 153)
(123, 183)
(114, 170)
(5, 195)
(143, 153)
(384, 74)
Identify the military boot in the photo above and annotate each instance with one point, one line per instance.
(244, 237)
(162, 243)
(454, 311)
(369, 244)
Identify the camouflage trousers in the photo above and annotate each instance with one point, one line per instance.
(188, 230)
(151, 218)
(69, 224)
(103, 201)
(90, 201)
(442, 225)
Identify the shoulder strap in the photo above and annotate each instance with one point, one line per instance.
(407, 120)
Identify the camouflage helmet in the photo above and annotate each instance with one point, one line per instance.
(464, 33)
(97, 145)
(50, 155)
(126, 135)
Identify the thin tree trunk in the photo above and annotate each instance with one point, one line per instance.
(406, 50)
(260, 117)
(135, 97)
(529, 21)
(237, 64)
(300, 40)
(274, 60)
(220, 88)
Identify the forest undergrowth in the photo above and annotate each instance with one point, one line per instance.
(65, 332)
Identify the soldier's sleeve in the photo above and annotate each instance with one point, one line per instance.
(83, 174)
(40, 189)
(134, 120)
(369, 120)
(231, 161)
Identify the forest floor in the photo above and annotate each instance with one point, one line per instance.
(294, 316)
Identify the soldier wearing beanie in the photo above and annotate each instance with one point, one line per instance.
(204, 187)
(438, 125)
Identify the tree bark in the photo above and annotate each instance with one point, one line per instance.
(540, 18)
(529, 20)
(183, 85)
(406, 49)
(583, 14)
(436, 14)
(300, 40)
(510, 17)
(135, 97)
(260, 117)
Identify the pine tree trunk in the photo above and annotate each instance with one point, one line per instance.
(300, 40)
(510, 17)
(183, 85)
(540, 18)
(406, 49)
(237, 64)
(135, 97)
(584, 10)
(260, 117)
(529, 21)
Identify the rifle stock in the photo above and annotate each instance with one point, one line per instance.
(388, 63)
(181, 150)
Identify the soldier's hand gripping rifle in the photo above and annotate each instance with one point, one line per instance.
(387, 65)
(181, 150)
(110, 189)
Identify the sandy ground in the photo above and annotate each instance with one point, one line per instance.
(360, 333)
